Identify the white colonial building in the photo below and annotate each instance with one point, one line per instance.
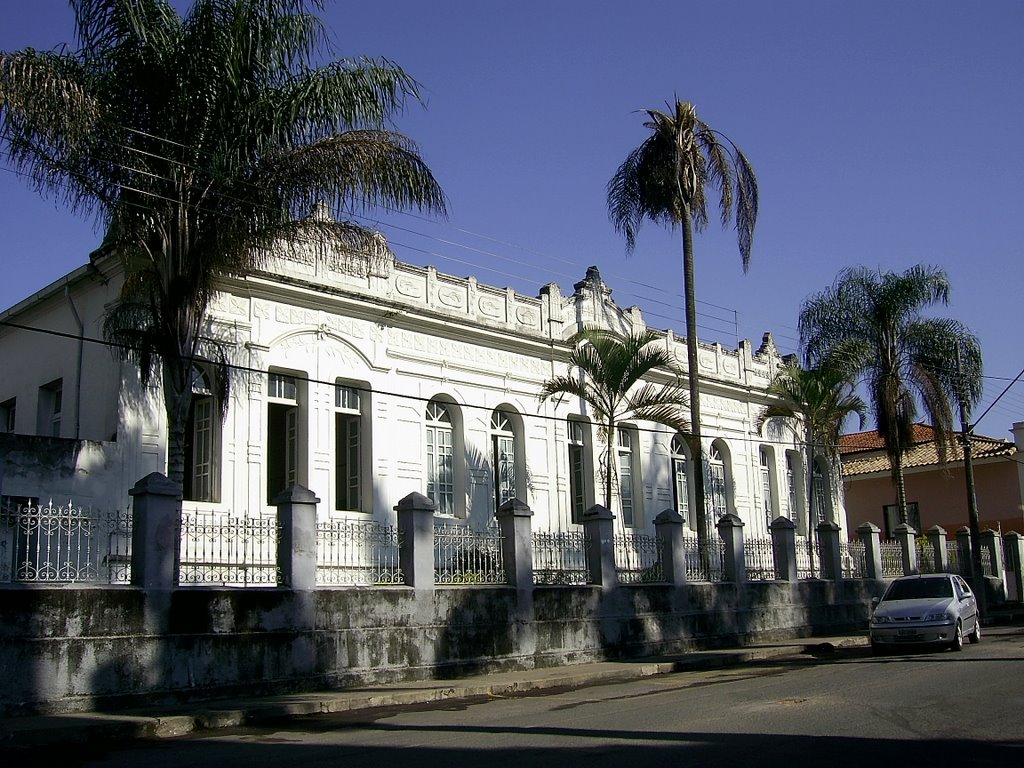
(367, 379)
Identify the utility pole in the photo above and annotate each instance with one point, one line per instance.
(972, 498)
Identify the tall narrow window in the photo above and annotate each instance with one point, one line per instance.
(626, 478)
(577, 471)
(282, 434)
(818, 501)
(348, 448)
(440, 458)
(680, 479)
(766, 486)
(7, 413)
(51, 405)
(716, 466)
(793, 484)
(202, 441)
(503, 457)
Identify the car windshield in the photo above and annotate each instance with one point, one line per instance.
(912, 589)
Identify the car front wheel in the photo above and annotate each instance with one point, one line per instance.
(957, 643)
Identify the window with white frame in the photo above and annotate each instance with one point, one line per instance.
(819, 501)
(767, 485)
(51, 406)
(284, 432)
(891, 517)
(503, 457)
(440, 457)
(719, 487)
(680, 476)
(7, 414)
(794, 484)
(202, 441)
(581, 474)
(629, 498)
(350, 443)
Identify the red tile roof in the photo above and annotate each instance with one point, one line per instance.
(863, 452)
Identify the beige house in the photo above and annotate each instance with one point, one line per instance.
(936, 494)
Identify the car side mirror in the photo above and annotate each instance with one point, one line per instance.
(875, 601)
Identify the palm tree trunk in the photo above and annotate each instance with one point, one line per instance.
(809, 480)
(693, 376)
(901, 486)
(177, 400)
(609, 466)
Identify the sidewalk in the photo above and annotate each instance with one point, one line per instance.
(81, 727)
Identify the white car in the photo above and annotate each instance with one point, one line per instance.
(937, 609)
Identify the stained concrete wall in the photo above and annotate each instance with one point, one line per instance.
(67, 649)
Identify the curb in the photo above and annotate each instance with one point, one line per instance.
(49, 731)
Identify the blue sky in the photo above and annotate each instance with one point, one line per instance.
(884, 134)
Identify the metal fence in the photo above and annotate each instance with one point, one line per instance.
(704, 563)
(892, 559)
(759, 556)
(465, 556)
(220, 550)
(808, 558)
(560, 557)
(853, 558)
(638, 558)
(64, 543)
(360, 553)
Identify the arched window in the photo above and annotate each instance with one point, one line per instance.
(505, 456)
(202, 441)
(820, 502)
(440, 457)
(718, 489)
(768, 491)
(794, 485)
(680, 476)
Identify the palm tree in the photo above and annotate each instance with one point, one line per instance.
(869, 324)
(821, 399)
(665, 180)
(199, 144)
(611, 369)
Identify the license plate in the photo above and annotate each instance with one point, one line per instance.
(907, 633)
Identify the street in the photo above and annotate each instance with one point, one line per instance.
(841, 709)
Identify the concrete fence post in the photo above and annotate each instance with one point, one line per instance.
(416, 540)
(871, 535)
(156, 532)
(989, 540)
(831, 551)
(784, 548)
(730, 528)
(937, 540)
(905, 536)
(1014, 543)
(516, 542)
(296, 543)
(597, 527)
(963, 547)
(668, 527)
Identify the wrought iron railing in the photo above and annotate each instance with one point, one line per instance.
(892, 559)
(853, 558)
(759, 558)
(704, 563)
(560, 557)
(64, 543)
(638, 558)
(357, 553)
(808, 558)
(953, 557)
(464, 556)
(220, 550)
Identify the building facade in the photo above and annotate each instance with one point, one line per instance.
(363, 379)
(936, 493)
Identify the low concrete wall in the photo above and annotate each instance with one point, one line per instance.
(66, 649)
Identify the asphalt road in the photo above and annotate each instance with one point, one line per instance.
(846, 709)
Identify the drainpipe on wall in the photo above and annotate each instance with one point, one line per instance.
(78, 372)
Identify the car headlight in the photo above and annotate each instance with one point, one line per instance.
(938, 616)
(880, 619)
